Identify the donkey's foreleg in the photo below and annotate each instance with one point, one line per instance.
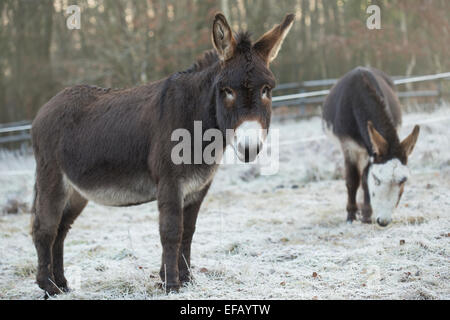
(353, 179)
(170, 201)
(190, 213)
(367, 208)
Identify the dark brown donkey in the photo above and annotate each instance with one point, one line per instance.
(114, 146)
(364, 114)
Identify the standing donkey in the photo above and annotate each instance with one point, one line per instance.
(364, 114)
(114, 146)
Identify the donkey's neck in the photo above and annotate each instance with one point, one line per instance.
(383, 124)
(374, 108)
(200, 104)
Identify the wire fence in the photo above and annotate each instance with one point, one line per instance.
(314, 97)
(280, 144)
(20, 131)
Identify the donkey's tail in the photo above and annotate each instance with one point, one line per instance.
(33, 206)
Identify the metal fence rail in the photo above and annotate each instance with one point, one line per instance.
(22, 128)
(330, 82)
(303, 96)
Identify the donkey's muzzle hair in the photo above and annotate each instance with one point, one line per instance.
(248, 140)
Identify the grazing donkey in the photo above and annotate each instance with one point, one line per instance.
(364, 114)
(114, 146)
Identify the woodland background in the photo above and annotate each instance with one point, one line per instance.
(124, 43)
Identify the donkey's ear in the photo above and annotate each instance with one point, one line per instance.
(222, 38)
(270, 43)
(379, 144)
(410, 141)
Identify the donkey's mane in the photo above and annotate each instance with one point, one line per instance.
(244, 47)
(375, 93)
(207, 59)
(373, 88)
(210, 57)
(243, 42)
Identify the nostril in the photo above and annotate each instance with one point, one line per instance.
(241, 148)
(248, 152)
(246, 149)
(259, 147)
(382, 223)
(248, 156)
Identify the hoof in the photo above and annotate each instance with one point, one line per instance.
(366, 215)
(61, 283)
(172, 287)
(366, 220)
(169, 288)
(350, 219)
(50, 288)
(351, 214)
(51, 292)
(65, 289)
(185, 278)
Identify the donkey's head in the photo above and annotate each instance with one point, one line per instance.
(388, 172)
(244, 83)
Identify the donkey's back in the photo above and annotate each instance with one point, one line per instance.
(357, 96)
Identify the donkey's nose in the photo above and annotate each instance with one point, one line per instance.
(383, 222)
(403, 180)
(248, 151)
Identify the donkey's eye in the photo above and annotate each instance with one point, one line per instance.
(266, 90)
(377, 181)
(227, 91)
(229, 94)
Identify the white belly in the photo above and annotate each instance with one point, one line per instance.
(197, 182)
(137, 192)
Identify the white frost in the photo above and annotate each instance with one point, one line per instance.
(261, 238)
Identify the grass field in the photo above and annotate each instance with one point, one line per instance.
(258, 237)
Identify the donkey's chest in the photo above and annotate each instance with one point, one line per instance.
(196, 181)
(352, 151)
(355, 153)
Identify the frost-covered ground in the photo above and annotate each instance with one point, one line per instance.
(264, 237)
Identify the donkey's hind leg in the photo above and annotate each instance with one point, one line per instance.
(74, 206)
(49, 203)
